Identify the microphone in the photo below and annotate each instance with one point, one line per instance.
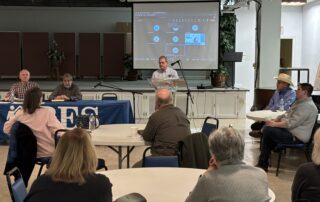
(178, 61)
(98, 84)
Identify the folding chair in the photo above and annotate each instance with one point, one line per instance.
(208, 126)
(17, 188)
(159, 161)
(109, 96)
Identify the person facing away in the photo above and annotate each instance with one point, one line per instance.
(284, 93)
(71, 175)
(294, 126)
(164, 72)
(306, 182)
(41, 120)
(166, 126)
(228, 178)
(19, 89)
(67, 91)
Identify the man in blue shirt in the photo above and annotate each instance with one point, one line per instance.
(282, 99)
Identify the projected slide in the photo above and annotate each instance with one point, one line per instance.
(180, 31)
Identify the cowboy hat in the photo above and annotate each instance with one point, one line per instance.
(285, 78)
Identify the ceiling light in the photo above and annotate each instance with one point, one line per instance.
(293, 2)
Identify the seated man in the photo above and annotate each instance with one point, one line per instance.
(295, 125)
(284, 92)
(67, 91)
(19, 89)
(166, 126)
(228, 178)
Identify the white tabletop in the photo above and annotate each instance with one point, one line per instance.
(264, 115)
(118, 135)
(156, 184)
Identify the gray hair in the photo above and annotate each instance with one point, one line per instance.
(316, 148)
(226, 144)
(67, 76)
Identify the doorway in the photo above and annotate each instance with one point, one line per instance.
(286, 53)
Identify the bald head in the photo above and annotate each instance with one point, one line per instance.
(24, 75)
(163, 98)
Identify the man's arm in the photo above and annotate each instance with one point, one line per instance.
(55, 93)
(272, 103)
(150, 131)
(76, 94)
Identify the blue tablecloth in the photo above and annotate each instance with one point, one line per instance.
(109, 112)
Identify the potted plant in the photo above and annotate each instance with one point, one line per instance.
(132, 74)
(56, 56)
(218, 78)
(226, 44)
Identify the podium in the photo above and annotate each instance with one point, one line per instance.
(171, 84)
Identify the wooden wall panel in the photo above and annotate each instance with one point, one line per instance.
(35, 46)
(67, 43)
(89, 54)
(262, 97)
(114, 49)
(10, 54)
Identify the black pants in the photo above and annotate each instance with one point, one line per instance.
(257, 125)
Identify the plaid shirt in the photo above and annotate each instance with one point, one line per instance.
(19, 89)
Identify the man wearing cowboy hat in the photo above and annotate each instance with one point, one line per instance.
(294, 126)
(284, 92)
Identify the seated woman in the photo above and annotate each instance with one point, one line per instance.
(41, 120)
(71, 175)
(306, 183)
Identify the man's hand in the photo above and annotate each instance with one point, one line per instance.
(62, 97)
(6, 98)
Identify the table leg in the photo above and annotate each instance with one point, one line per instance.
(128, 156)
(120, 157)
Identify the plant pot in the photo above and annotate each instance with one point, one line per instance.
(218, 80)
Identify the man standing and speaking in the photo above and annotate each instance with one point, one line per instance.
(164, 72)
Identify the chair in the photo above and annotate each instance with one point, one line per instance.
(193, 151)
(306, 147)
(132, 197)
(17, 188)
(209, 127)
(109, 96)
(159, 161)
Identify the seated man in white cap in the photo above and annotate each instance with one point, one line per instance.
(282, 99)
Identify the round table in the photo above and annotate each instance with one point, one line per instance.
(156, 184)
(264, 115)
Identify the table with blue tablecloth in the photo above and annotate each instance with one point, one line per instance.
(108, 111)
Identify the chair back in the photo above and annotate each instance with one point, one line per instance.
(109, 96)
(132, 197)
(17, 188)
(159, 161)
(209, 125)
(193, 151)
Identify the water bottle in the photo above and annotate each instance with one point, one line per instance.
(11, 98)
(92, 122)
(281, 105)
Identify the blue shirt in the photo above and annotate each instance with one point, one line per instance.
(288, 95)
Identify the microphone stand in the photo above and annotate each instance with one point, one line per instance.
(188, 89)
(123, 90)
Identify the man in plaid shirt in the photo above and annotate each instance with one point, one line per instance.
(20, 88)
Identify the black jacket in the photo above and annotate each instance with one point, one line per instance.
(25, 151)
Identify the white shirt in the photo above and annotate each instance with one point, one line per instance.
(169, 73)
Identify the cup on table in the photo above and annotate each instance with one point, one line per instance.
(134, 131)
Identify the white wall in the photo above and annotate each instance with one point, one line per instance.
(245, 42)
(291, 28)
(58, 19)
(311, 38)
(270, 43)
